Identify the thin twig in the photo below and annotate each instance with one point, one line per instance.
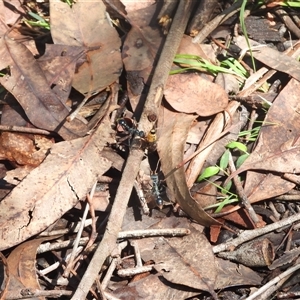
(273, 282)
(241, 192)
(76, 243)
(248, 235)
(132, 166)
(24, 129)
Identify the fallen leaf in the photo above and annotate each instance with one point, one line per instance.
(275, 151)
(23, 149)
(187, 260)
(172, 133)
(271, 57)
(77, 26)
(140, 51)
(10, 11)
(190, 93)
(28, 84)
(143, 290)
(54, 187)
(231, 274)
(58, 64)
(21, 263)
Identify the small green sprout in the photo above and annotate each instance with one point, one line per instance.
(228, 197)
(195, 62)
(69, 2)
(41, 22)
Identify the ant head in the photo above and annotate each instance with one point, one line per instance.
(141, 133)
(122, 122)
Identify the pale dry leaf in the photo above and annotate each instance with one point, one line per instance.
(54, 187)
(85, 24)
(187, 260)
(272, 57)
(191, 93)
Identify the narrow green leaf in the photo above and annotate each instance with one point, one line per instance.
(228, 186)
(237, 145)
(241, 160)
(209, 172)
(224, 160)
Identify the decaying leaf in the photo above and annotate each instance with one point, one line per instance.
(140, 50)
(170, 146)
(21, 263)
(190, 93)
(232, 274)
(187, 261)
(278, 148)
(50, 190)
(85, 24)
(271, 57)
(24, 149)
(143, 289)
(29, 86)
(59, 63)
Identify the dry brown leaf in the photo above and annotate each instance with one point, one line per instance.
(275, 151)
(140, 50)
(10, 12)
(172, 132)
(194, 93)
(23, 149)
(21, 263)
(231, 274)
(28, 84)
(50, 190)
(85, 24)
(143, 290)
(190, 93)
(272, 58)
(58, 64)
(187, 260)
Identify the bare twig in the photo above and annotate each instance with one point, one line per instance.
(248, 235)
(241, 192)
(288, 21)
(36, 293)
(135, 156)
(76, 243)
(153, 232)
(24, 129)
(274, 281)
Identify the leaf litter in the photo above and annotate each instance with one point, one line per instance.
(53, 162)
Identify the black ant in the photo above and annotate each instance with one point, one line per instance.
(132, 130)
(156, 190)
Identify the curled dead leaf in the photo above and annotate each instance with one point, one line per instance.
(170, 146)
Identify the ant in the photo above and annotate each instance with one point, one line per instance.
(132, 130)
(156, 190)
